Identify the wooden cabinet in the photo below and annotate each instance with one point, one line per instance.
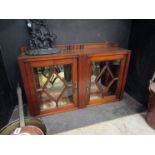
(80, 75)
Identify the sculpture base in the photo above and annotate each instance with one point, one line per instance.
(43, 51)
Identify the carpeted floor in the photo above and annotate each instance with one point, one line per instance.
(64, 122)
(134, 124)
(92, 115)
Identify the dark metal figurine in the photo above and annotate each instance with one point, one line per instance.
(42, 40)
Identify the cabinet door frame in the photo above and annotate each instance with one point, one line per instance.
(33, 99)
(121, 78)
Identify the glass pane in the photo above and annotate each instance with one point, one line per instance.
(54, 86)
(104, 78)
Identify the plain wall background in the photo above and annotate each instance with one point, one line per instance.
(80, 31)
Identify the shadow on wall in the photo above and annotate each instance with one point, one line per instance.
(142, 64)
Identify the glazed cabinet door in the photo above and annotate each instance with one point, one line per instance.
(106, 76)
(53, 85)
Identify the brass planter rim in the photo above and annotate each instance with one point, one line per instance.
(9, 128)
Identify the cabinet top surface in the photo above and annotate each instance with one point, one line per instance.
(77, 52)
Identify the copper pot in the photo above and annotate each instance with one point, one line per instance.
(151, 110)
(28, 130)
(39, 127)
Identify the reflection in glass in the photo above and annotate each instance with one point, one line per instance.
(104, 78)
(53, 87)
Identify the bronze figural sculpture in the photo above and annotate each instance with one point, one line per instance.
(42, 40)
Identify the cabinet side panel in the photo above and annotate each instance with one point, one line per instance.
(127, 60)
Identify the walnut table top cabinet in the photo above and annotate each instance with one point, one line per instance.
(80, 75)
